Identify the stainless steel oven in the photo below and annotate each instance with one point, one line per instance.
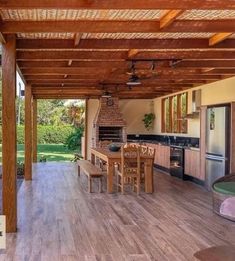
(177, 161)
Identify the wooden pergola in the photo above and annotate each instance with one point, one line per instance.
(79, 49)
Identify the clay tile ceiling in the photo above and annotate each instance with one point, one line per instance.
(84, 48)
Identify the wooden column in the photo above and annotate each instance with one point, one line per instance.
(28, 132)
(9, 186)
(35, 140)
(86, 130)
(203, 116)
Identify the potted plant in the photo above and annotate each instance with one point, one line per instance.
(20, 169)
(148, 120)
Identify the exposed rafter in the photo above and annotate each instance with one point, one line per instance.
(77, 39)
(132, 53)
(217, 38)
(170, 17)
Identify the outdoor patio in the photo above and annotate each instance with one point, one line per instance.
(59, 220)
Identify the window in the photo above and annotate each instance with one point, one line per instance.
(174, 109)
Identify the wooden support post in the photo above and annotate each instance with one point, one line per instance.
(35, 138)
(86, 130)
(9, 186)
(28, 132)
(203, 116)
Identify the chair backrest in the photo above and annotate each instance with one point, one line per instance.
(104, 143)
(144, 150)
(131, 144)
(130, 160)
(151, 152)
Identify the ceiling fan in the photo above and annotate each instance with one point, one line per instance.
(106, 94)
(134, 79)
(137, 75)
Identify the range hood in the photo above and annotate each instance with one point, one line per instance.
(196, 104)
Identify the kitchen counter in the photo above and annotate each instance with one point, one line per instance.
(190, 147)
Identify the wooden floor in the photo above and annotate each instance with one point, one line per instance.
(59, 220)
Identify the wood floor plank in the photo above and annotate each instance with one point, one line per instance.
(59, 220)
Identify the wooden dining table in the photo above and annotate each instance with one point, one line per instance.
(112, 158)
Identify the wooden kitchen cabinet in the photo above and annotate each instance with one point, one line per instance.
(162, 155)
(192, 163)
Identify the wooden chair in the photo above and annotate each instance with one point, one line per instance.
(129, 172)
(132, 144)
(145, 151)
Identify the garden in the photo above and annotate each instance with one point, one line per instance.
(59, 130)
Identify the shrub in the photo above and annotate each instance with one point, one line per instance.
(74, 140)
(46, 134)
(54, 134)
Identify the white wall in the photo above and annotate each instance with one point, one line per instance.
(133, 112)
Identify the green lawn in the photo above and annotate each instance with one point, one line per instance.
(52, 152)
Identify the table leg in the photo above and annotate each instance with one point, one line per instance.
(110, 172)
(148, 169)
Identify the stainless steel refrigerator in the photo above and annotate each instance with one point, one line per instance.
(217, 143)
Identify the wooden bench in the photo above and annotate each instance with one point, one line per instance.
(91, 171)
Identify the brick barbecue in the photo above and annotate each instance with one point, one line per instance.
(109, 123)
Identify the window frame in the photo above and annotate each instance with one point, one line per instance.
(179, 116)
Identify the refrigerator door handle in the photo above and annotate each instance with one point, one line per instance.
(219, 159)
(214, 154)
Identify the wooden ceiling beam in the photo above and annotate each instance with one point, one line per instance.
(77, 64)
(126, 64)
(68, 55)
(170, 17)
(100, 70)
(166, 77)
(226, 71)
(219, 37)
(96, 85)
(77, 96)
(176, 77)
(90, 83)
(207, 64)
(111, 26)
(114, 44)
(68, 87)
(121, 4)
(121, 55)
(122, 78)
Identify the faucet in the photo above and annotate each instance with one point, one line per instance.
(168, 140)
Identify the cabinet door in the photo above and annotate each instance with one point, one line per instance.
(197, 169)
(167, 157)
(192, 163)
(161, 155)
(187, 162)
